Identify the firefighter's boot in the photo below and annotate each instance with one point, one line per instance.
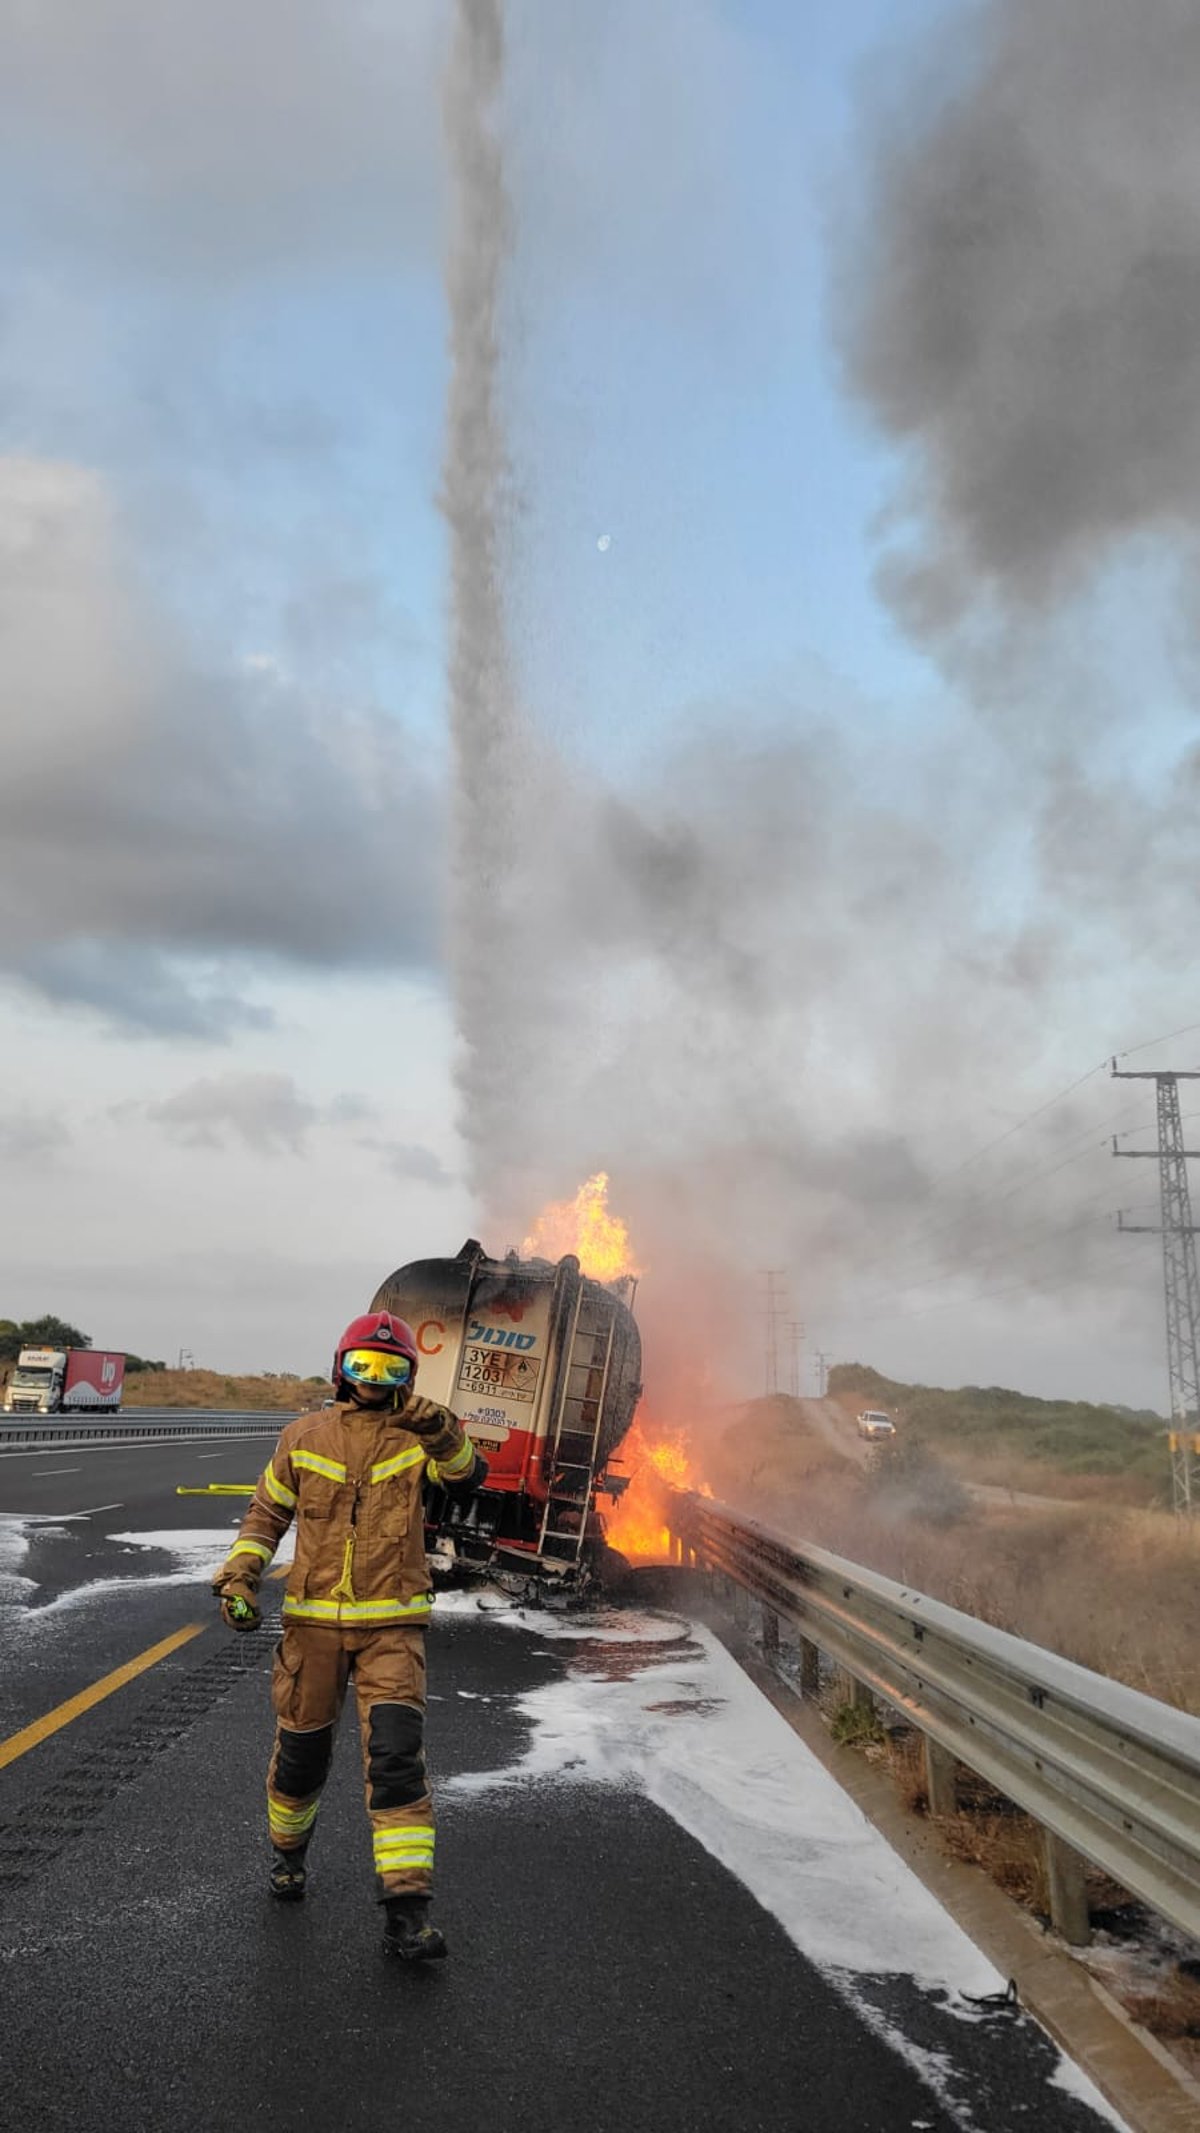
(408, 1932)
(288, 1874)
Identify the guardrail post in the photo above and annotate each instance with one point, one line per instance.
(855, 1692)
(941, 1778)
(1068, 1891)
(770, 1632)
(741, 1610)
(810, 1668)
(1034, 1725)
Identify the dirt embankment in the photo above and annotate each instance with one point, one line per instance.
(1103, 1583)
(835, 1421)
(211, 1389)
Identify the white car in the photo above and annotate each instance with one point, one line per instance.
(875, 1424)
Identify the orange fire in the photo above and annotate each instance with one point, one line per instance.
(600, 1241)
(654, 1456)
(655, 1460)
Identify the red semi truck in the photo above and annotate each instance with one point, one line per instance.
(47, 1381)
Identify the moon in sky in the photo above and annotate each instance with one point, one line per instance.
(604, 543)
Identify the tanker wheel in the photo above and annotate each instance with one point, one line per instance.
(610, 1571)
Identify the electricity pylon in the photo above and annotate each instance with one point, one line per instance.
(775, 1307)
(796, 1338)
(1180, 1282)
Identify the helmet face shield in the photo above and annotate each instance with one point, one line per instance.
(372, 1366)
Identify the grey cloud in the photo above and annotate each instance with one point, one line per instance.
(222, 138)
(411, 1163)
(1022, 306)
(32, 1136)
(135, 988)
(156, 822)
(265, 1111)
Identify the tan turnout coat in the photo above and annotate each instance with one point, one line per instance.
(351, 1477)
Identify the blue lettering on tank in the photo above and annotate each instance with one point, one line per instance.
(496, 1337)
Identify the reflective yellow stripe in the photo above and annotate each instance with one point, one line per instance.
(262, 1549)
(403, 1862)
(291, 1821)
(398, 1465)
(415, 1835)
(459, 1463)
(276, 1491)
(411, 1850)
(313, 1463)
(358, 1610)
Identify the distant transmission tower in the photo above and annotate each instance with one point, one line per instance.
(775, 1308)
(796, 1341)
(1180, 1282)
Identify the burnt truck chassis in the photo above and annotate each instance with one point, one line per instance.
(465, 1543)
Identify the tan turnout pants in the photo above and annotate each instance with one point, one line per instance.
(314, 1662)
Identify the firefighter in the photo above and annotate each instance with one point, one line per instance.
(357, 1603)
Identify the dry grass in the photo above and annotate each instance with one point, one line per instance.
(1170, 2009)
(208, 1388)
(1036, 1477)
(1108, 1585)
(989, 1832)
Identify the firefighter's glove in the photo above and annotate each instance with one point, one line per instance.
(424, 1417)
(239, 1602)
(465, 1485)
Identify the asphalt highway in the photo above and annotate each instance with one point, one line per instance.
(607, 1971)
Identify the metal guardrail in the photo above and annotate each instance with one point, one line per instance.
(1112, 1776)
(166, 1425)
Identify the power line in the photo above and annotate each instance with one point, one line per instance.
(1021, 1124)
(1040, 1286)
(1086, 1145)
(927, 1230)
(999, 1250)
(1188, 1031)
(1039, 1111)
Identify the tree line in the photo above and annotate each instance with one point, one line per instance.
(51, 1332)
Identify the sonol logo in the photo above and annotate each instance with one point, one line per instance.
(496, 1337)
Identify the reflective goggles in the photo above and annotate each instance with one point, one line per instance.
(373, 1366)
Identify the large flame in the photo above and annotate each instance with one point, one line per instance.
(600, 1241)
(654, 1455)
(656, 1460)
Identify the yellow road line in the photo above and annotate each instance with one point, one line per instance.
(41, 1729)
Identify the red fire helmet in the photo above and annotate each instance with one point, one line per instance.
(377, 1329)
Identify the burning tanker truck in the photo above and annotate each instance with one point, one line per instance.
(543, 1368)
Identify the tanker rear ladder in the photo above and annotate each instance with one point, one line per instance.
(572, 1424)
